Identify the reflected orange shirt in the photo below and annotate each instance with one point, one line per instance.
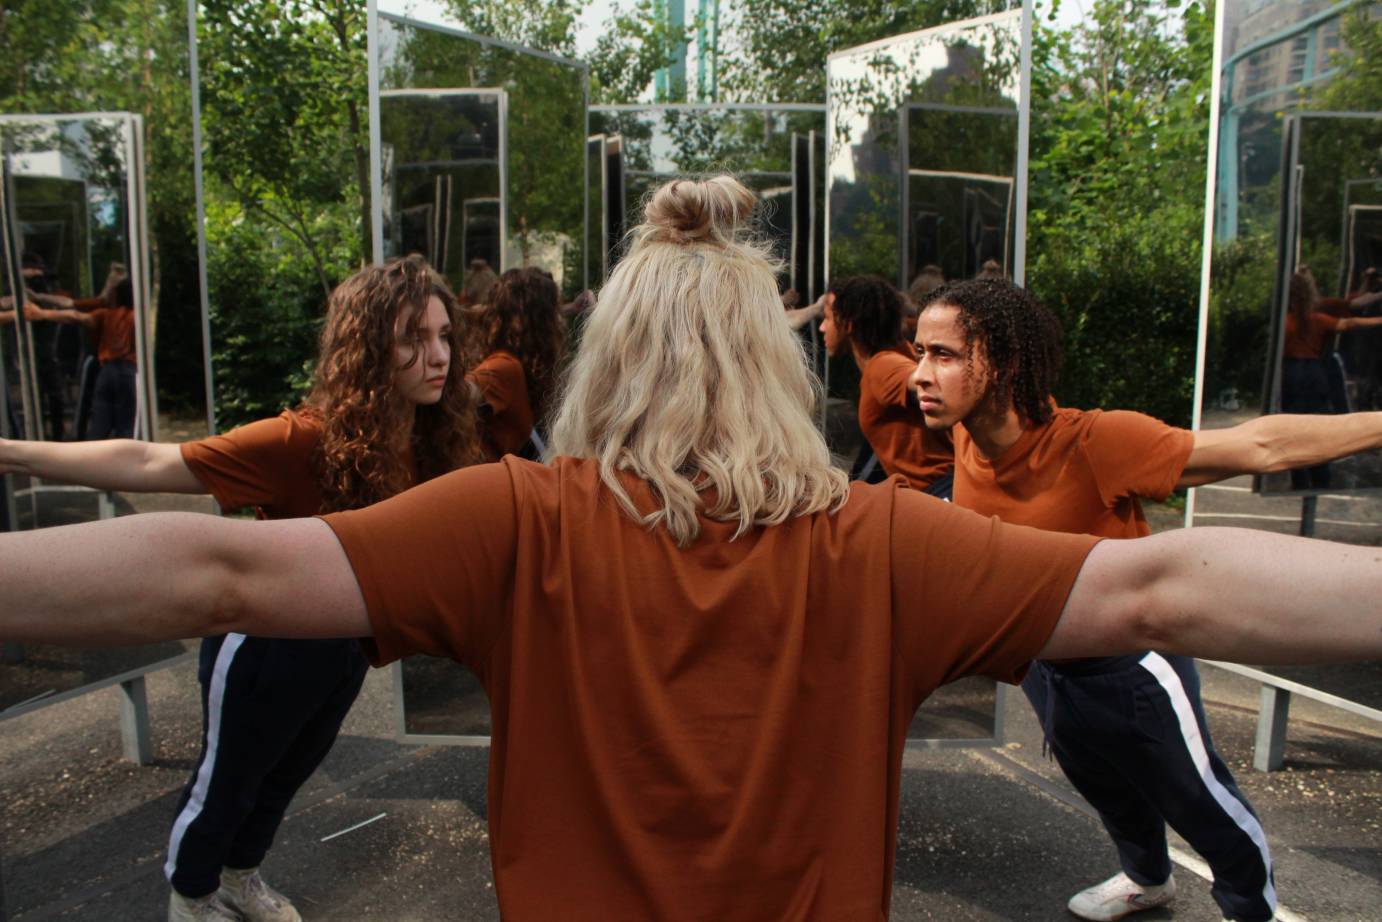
(892, 422)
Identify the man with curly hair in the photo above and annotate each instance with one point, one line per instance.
(1129, 731)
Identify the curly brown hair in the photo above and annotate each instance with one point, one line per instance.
(1020, 338)
(523, 318)
(364, 419)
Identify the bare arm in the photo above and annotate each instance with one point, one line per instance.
(801, 316)
(166, 576)
(1279, 442)
(114, 464)
(56, 302)
(1357, 323)
(1225, 593)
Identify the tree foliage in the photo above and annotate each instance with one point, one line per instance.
(1117, 175)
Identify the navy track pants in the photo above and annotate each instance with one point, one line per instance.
(271, 710)
(1130, 734)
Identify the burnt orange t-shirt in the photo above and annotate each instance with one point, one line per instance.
(710, 732)
(1308, 343)
(115, 334)
(509, 421)
(892, 422)
(1080, 473)
(267, 464)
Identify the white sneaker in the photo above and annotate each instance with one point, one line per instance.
(1120, 896)
(255, 901)
(206, 909)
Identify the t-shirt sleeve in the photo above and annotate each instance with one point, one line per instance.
(251, 465)
(973, 595)
(435, 565)
(886, 375)
(1132, 454)
(498, 377)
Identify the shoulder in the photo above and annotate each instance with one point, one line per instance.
(889, 362)
(290, 432)
(1124, 424)
(501, 362)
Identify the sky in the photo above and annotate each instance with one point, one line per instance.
(596, 12)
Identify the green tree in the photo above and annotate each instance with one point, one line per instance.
(780, 46)
(1118, 152)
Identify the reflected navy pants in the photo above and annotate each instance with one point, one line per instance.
(271, 710)
(1130, 734)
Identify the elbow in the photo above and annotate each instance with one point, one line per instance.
(1269, 450)
(228, 589)
(1155, 614)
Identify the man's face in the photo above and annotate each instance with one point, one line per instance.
(949, 384)
(835, 340)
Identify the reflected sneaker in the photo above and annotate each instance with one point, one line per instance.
(1120, 896)
(255, 901)
(205, 909)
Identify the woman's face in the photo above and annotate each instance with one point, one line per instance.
(424, 358)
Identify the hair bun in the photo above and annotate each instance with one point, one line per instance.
(689, 210)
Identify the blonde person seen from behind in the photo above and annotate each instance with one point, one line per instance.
(701, 645)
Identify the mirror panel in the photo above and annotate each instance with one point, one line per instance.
(76, 357)
(758, 143)
(923, 151)
(1298, 185)
(506, 126)
(921, 155)
(484, 161)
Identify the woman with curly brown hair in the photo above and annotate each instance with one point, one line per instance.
(388, 409)
(522, 341)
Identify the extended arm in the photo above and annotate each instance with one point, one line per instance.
(801, 316)
(165, 576)
(1279, 442)
(1225, 593)
(114, 464)
(33, 312)
(1357, 323)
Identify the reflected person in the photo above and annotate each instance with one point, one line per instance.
(702, 646)
(863, 318)
(522, 340)
(48, 366)
(1309, 364)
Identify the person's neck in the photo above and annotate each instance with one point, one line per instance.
(994, 431)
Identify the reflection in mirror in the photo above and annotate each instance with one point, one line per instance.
(1295, 254)
(1292, 285)
(443, 192)
(75, 197)
(768, 148)
(1327, 293)
(923, 151)
(757, 143)
(73, 201)
(921, 160)
(484, 164)
(506, 127)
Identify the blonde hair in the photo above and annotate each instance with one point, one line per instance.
(689, 377)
